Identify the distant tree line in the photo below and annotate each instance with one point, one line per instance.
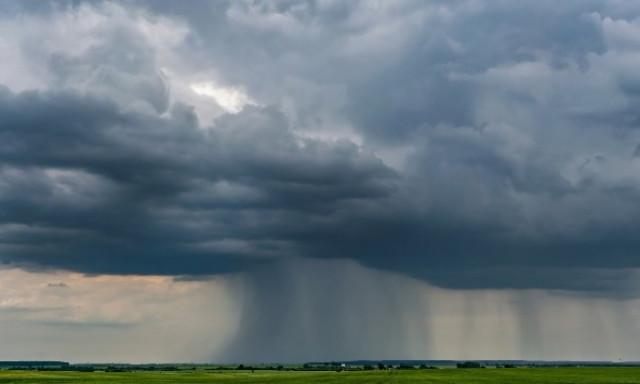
(469, 364)
(32, 364)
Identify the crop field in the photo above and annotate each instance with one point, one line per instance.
(494, 376)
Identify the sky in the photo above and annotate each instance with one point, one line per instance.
(288, 181)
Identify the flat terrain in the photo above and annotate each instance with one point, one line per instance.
(493, 376)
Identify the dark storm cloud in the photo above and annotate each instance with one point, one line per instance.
(87, 187)
(515, 123)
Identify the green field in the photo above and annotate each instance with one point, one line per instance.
(497, 376)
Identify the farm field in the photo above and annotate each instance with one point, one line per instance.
(586, 375)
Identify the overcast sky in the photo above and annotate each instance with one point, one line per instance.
(295, 166)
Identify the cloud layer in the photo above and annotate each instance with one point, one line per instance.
(471, 144)
(143, 319)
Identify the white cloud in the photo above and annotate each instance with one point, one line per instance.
(232, 99)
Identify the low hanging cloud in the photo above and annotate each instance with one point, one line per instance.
(87, 187)
(469, 144)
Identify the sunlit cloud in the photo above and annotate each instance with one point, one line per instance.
(230, 98)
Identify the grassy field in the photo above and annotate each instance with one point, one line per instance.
(493, 376)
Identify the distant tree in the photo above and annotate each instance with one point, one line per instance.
(240, 367)
(469, 364)
(368, 367)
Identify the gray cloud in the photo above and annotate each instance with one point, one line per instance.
(470, 144)
(88, 187)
